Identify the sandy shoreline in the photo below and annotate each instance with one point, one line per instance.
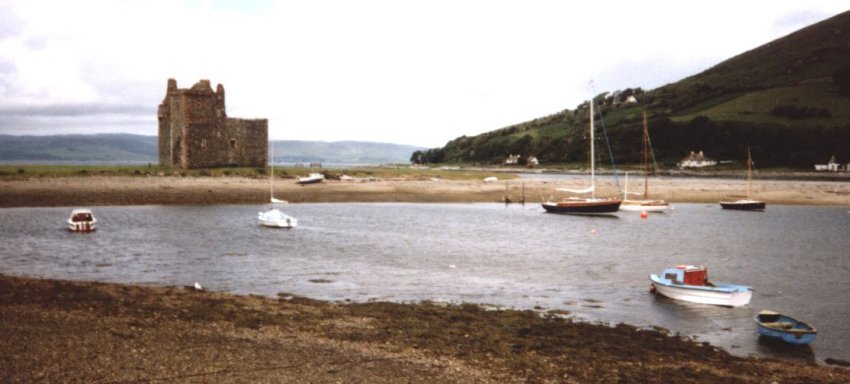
(172, 190)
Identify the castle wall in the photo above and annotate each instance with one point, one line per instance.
(195, 132)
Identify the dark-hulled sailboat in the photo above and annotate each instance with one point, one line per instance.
(585, 205)
(748, 203)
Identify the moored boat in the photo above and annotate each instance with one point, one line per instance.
(580, 206)
(585, 205)
(82, 220)
(274, 217)
(743, 205)
(645, 204)
(746, 204)
(690, 283)
(786, 328)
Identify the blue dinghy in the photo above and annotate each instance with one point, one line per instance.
(788, 329)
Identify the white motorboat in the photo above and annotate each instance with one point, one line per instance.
(82, 220)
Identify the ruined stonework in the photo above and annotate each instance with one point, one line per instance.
(195, 132)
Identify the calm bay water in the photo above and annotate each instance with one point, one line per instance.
(795, 258)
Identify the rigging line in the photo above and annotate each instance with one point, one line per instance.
(608, 144)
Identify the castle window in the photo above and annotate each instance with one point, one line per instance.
(232, 143)
(204, 144)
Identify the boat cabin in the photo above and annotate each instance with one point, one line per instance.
(81, 216)
(688, 275)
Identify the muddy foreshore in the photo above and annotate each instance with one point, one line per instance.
(62, 331)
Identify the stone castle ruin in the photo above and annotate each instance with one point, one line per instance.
(195, 132)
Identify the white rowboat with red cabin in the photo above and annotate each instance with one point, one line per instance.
(690, 283)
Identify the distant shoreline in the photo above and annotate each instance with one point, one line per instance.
(94, 190)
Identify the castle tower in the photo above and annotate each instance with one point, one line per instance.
(195, 132)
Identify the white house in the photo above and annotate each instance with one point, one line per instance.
(697, 160)
(512, 159)
(830, 166)
(531, 162)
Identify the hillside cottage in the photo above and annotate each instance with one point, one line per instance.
(697, 160)
(831, 166)
(512, 159)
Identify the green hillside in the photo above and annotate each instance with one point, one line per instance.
(788, 99)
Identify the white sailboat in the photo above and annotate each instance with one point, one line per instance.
(585, 205)
(645, 204)
(274, 217)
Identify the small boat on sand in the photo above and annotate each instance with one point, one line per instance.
(786, 328)
(690, 283)
(311, 179)
(82, 220)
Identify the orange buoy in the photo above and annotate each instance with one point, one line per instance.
(643, 214)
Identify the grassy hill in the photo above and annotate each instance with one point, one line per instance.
(137, 149)
(788, 99)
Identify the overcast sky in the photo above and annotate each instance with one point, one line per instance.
(407, 72)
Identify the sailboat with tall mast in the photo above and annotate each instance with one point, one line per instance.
(747, 203)
(645, 204)
(585, 205)
(274, 217)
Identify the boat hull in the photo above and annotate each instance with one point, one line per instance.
(82, 226)
(644, 205)
(274, 218)
(311, 179)
(729, 295)
(743, 205)
(583, 206)
(785, 328)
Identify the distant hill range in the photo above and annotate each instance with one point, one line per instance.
(138, 149)
(789, 100)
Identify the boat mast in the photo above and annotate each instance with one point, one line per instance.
(645, 158)
(592, 154)
(271, 180)
(749, 174)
